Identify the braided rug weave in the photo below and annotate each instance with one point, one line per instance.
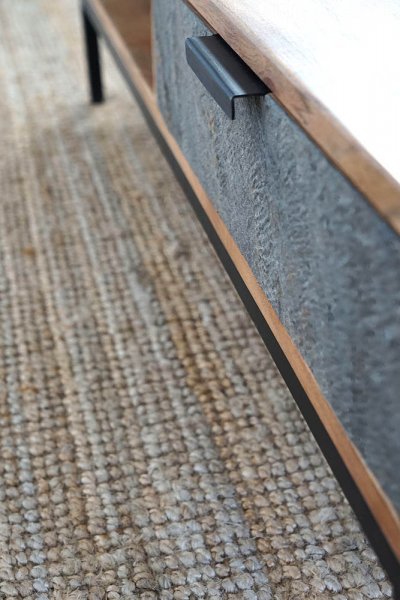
(148, 447)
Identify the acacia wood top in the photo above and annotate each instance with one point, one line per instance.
(335, 66)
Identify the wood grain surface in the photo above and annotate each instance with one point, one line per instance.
(377, 501)
(334, 65)
(133, 22)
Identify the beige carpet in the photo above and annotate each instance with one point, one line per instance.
(148, 446)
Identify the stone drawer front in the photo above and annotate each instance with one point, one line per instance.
(327, 262)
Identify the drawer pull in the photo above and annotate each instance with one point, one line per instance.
(222, 72)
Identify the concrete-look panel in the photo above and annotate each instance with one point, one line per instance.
(325, 259)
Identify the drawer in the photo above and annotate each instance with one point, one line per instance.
(324, 258)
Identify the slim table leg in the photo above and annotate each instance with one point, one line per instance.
(93, 59)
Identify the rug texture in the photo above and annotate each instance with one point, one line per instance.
(148, 447)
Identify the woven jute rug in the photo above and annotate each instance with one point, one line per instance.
(149, 448)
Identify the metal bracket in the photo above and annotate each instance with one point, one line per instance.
(222, 72)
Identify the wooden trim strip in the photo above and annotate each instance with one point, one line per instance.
(378, 503)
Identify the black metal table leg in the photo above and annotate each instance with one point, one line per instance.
(93, 59)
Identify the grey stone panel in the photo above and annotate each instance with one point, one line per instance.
(325, 259)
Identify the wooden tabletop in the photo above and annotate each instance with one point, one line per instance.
(335, 66)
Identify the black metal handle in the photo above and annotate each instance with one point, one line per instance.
(222, 72)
